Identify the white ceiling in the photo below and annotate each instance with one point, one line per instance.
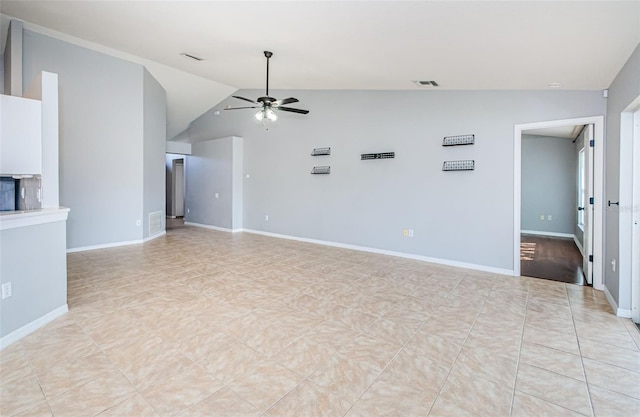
(362, 44)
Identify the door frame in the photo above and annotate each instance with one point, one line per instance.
(630, 197)
(598, 187)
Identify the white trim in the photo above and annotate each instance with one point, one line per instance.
(116, 244)
(14, 219)
(104, 246)
(579, 245)
(157, 235)
(208, 226)
(620, 312)
(598, 177)
(28, 328)
(457, 264)
(552, 234)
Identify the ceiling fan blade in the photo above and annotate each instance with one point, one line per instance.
(293, 110)
(285, 101)
(238, 108)
(245, 99)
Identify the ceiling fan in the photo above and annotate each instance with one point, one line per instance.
(267, 104)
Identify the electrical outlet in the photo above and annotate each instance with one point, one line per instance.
(410, 232)
(405, 232)
(542, 217)
(217, 195)
(549, 217)
(6, 290)
(266, 217)
(138, 223)
(613, 265)
(188, 211)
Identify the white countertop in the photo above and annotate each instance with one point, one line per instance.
(23, 218)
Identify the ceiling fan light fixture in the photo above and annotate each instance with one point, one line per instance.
(266, 113)
(271, 115)
(266, 102)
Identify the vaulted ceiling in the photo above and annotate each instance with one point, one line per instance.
(361, 44)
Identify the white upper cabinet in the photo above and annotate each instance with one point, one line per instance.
(20, 136)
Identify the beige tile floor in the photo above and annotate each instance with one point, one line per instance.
(205, 323)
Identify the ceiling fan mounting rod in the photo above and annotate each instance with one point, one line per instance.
(268, 54)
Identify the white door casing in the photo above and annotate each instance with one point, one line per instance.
(587, 266)
(635, 244)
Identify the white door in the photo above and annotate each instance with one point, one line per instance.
(587, 203)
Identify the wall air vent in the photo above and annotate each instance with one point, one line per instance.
(196, 58)
(458, 140)
(425, 83)
(155, 222)
(468, 165)
(321, 170)
(380, 155)
(321, 151)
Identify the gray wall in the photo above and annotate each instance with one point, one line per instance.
(33, 258)
(104, 153)
(209, 170)
(155, 138)
(456, 216)
(548, 184)
(624, 89)
(12, 60)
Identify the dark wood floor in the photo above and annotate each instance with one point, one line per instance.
(553, 258)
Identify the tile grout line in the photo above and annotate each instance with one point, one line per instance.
(515, 378)
(584, 372)
(460, 351)
(394, 356)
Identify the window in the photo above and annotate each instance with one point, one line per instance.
(582, 189)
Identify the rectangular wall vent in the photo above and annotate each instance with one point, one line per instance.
(321, 170)
(321, 151)
(155, 222)
(468, 165)
(380, 155)
(458, 140)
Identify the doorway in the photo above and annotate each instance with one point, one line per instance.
(592, 128)
(175, 182)
(553, 204)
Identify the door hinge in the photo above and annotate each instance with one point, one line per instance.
(590, 258)
(591, 200)
(592, 143)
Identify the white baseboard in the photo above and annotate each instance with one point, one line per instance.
(208, 226)
(620, 312)
(18, 334)
(447, 262)
(116, 244)
(551, 234)
(157, 235)
(579, 245)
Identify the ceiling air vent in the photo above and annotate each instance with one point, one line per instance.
(196, 58)
(425, 83)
